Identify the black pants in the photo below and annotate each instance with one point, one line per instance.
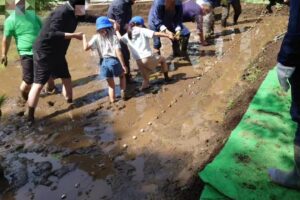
(295, 105)
(126, 56)
(27, 69)
(225, 12)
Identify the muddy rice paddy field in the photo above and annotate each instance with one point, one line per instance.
(149, 147)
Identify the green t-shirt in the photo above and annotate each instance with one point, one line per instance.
(24, 28)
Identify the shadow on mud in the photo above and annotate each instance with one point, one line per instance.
(86, 159)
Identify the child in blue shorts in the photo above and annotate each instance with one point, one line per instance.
(112, 64)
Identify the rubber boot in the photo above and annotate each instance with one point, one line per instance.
(288, 179)
(30, 118)
(184, 45)
(167, 78)
(176, 49)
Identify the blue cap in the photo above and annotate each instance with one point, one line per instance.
(138, 20)
(103, 22)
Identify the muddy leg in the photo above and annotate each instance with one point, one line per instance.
(67, 89)
(33, 99)
(25, 88)
(165, 69)
(123, 86)
(50, 88)
(111, 89)
(145, 76)
(225, 14)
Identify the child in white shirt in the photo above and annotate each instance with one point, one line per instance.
(106, 43)
(137, 39)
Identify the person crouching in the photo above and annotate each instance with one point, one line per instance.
(137, 39)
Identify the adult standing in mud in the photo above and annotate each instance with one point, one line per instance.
(50, 50)
(166, 16)
(121, 12)
(24, 26)
(237, 8)
(288, 68)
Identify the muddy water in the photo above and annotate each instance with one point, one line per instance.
(145, 148)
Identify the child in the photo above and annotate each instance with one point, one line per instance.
(138, 40)
(111, 59)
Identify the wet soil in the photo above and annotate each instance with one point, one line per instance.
(149, 147)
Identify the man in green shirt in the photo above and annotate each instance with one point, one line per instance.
(24, 26)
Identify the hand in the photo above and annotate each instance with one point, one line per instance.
(4, 60)
(284, 73)
(125, 69)
(177, 35)
(78, 35)
(171, 36)
(169, 32)
(116, 26)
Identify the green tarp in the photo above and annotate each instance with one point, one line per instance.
(263, 139)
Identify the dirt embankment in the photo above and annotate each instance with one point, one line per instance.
(151, 146)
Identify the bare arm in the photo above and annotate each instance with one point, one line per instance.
(119, 36)
(121, 59)
(77, 36)
(86, 46)
(5, 46)
(162, 34)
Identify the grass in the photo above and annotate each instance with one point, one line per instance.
(2, 100)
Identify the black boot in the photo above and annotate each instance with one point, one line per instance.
(30, 118)
(176, 49)
(167, 78)
(288, 179)
(184, 41)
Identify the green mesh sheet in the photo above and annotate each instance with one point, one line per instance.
(263, 139)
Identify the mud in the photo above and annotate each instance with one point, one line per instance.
(149, 147)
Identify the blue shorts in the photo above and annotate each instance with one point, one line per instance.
(110, 67)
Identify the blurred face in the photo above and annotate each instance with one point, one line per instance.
(206, 9)
(20, 5)
(103, 32)
(79, 10)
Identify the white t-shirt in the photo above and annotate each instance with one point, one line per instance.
(139, 45)
(105, 47)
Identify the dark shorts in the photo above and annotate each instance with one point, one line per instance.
(46, 66)
(27, 68)
(110, 67)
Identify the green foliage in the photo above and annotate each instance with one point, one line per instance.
(2, 100)
(45, 4)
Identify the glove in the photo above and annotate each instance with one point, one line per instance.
(284, 73)
(4, 61)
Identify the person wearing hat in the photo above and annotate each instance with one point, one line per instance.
(137, 39)
(24, 26)
(112, 64)
(50, 49)
(121, 12)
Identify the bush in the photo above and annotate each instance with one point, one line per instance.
(45, 4)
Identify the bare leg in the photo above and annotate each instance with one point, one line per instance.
(25, 88)
(67, 89)
(111, 90)
(33, 99)
(50, 85)
(165, 69)
(145, 76)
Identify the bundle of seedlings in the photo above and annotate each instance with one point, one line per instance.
(2, 100)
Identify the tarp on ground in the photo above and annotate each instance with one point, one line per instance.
(263, 139)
